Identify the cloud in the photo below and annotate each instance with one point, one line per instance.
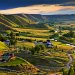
(38, 9)
(71, 3)
(61, 12)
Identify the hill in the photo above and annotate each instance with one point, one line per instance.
(33, 20)
(19, 21)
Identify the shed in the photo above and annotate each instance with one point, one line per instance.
(7, 56)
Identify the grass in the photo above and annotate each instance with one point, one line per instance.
(59, 57)
(57, 43)
(62, 45)
(32, 38)
(14, 62)
(31, 44)
(34, 32)
(73, 56)
(3, 47)
(25, 44)
(19, 65)
(65, 47)
(31, 30)
(15, 73)
(54, 59)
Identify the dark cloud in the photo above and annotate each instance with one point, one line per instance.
(8, 4)
(72, 3)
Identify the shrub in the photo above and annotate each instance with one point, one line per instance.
(52, 31)
(2, 38)
(29, 40)
(55, 35)
(71, 71)
(38, 48)
(70, 34)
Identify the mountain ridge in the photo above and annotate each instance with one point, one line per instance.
(34, 20)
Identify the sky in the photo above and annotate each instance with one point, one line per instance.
(44, 7)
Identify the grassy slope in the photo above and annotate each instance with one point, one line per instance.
(25, 44)
(19, 20)
(38, 34)
(3, 47)
(14, 62)
(19, 64)
(62, 46)
(50, 61)
(30, 21)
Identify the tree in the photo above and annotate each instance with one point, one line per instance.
(2, 38)
(55, 35)
(12, 38)
(69, 34)
(52, 31)
(60, 28)
(71, 71)
(32, 51)
(38, 48)
(64, 71)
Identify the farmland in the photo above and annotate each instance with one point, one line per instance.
(39, 47)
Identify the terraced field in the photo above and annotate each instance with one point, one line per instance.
(51, 60)
(18, 64)
(34, 32)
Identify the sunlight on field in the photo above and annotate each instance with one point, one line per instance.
(3, 46)
(31, 30)
(14, 62)
(65, 47)
(57, 43)
(25, 44)
(62, 46)
(34, 32)
(32, 38)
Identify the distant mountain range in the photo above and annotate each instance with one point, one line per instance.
(33, 20)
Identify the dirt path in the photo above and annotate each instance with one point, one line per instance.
(70, 61)
(6, 69)
(67, 66)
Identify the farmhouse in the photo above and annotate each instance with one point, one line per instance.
(46, 43)
(7, 42)
(49, 44)
(7, 56)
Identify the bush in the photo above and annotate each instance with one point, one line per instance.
(33, 51)
(71, 71)
(29, 40)
(65, 39)
(55, 35)
(70, 34)
(38, 48)
(68, 72)
(2, 38)
(52, 31)
(13, 41)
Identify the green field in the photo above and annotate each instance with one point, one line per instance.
(15, 62)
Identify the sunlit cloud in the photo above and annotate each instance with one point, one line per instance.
(37, 9)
